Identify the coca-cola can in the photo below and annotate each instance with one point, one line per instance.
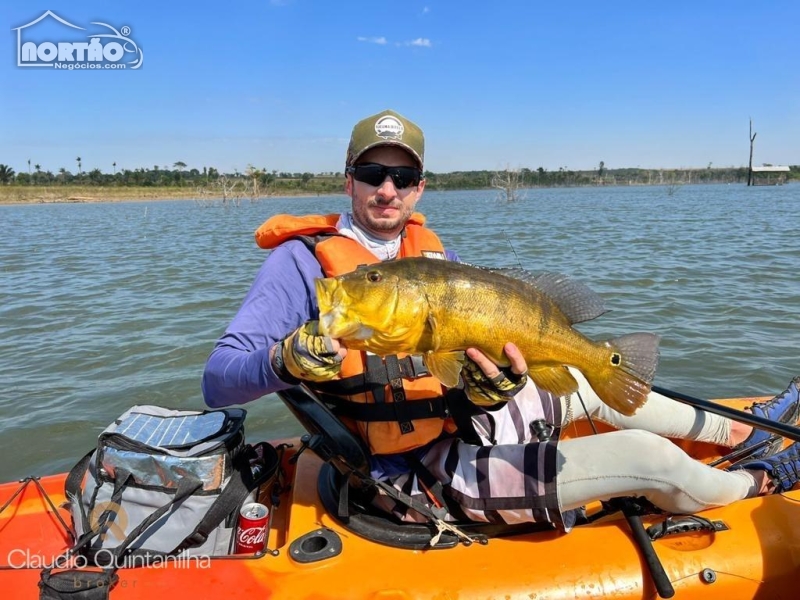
(251, 530)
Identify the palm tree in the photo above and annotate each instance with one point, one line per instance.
(6, 174)
(79, 165)
(38, 171)
(62, 172)
(114, 164)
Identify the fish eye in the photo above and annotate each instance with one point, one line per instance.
(374, 276)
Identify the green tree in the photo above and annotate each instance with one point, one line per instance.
(267, 178)
(6, 174)
(78, 160)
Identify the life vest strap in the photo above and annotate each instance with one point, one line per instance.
(376, 375)
(426, 408)
(398, 394)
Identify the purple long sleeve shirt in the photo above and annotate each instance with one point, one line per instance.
(281, 299)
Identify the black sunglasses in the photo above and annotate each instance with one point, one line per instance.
(375, 174)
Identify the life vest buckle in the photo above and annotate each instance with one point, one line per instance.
(413, 367)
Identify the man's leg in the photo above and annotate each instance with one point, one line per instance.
(640, 463)
(661, 415)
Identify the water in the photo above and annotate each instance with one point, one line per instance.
(103, 306)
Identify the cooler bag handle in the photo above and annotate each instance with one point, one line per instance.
(186, 487)
(242, 482)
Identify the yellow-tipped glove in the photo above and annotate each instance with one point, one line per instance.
(307, 355)
(484, 391)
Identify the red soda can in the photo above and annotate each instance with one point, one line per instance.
(251, 531)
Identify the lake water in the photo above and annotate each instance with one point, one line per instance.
(103, 306)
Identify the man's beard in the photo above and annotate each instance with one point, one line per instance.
(364, 217)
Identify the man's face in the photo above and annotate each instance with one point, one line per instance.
(384, 210)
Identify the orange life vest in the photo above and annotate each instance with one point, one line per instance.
(391, 402)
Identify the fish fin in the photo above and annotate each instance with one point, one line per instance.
(445, 366)
(627, 379)
(556, 380)
(429, 338)
(575, 299)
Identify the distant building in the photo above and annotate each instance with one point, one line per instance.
(770, 175)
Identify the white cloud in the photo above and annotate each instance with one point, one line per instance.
(372, 40)
(424, 42)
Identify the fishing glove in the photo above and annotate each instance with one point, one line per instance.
(307, 355)
(484, 391)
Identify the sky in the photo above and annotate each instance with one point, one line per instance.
(279, 84)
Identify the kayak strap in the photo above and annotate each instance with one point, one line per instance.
(436, 515)
(336, 445)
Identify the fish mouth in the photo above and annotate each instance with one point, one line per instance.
(333, 301)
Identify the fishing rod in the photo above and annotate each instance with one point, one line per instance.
(782, 429)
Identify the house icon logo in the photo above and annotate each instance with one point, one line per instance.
(66, 45)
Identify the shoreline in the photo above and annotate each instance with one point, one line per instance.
(17, 195)
(28, 195)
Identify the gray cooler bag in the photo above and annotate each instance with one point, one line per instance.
(164, 483)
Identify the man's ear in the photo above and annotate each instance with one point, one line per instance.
(348, 185)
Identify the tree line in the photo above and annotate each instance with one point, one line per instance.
(274, 182)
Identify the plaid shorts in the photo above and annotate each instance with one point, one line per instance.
(510, 478)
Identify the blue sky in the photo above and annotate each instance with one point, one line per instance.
(279, 84)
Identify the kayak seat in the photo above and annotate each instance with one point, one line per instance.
(341, 490)
(328, 437)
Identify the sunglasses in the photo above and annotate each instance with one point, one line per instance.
(375, 174)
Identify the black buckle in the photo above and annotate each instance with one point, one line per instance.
(413, 367)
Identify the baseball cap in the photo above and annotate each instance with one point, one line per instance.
(387, 128)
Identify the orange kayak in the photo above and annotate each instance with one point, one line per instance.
(750, 549)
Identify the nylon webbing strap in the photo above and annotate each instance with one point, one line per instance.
(375, 378)
(432, 486)
(72, 487)
(398, 394)
(411, 367)
(186, 487)
(231, 498)
(462, 409)
(425, 408)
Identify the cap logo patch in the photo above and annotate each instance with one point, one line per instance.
(389, 128)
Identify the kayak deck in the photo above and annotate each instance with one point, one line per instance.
(755, 556)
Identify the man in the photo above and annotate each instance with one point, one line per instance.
(495, 465)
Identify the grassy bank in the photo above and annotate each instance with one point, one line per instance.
(78, 193)
(17, 194)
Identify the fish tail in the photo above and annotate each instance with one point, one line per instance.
(624, 382)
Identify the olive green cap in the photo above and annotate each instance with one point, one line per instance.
(387, 128)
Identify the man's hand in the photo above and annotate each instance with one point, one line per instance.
(486, 383)
(309, 356)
